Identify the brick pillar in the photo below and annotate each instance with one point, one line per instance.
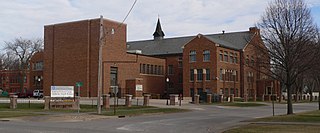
(146, 99)
(128, 100)
(221, 98)
(47, 102)
(13, 101)
(262, 98)
(269, 98)
(106, 101)
(173, 99)
(232, 98)
(209, 98)
(245, 97)
(196, 99)
(254, 97)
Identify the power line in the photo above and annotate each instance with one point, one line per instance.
(128, 13)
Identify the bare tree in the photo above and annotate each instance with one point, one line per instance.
(8, 61)
(23, 49)
(290, 35)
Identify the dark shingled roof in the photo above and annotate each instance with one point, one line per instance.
(234, 40)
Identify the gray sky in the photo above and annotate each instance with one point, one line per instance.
(26, 18)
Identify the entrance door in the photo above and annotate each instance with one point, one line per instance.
(192, 93)
(113, 77)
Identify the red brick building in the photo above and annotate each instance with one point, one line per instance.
(10, 82)
(71, 55)
(224, 63)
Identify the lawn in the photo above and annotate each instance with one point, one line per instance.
(141, 110)
(25, 109)
(283, 124)
(242, 104)
(270, 128)
(313, 116)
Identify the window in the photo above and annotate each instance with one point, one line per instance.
(38, 65)
(192, 56)
(144, 68)
(226, 91)
(220, 56)
(180, 62)
(170, 69)
(191, 75)
(199, 74)
(247, 60)
(151, 70)
(235, 58)
(252, 61)
(231, 57)
(155, 71)
(221, 78)
(148, 69)
(207, 74)
(225, 56)
(206, 55)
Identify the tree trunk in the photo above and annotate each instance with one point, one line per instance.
(289, 101)
(319, 99)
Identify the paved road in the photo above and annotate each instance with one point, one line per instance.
(203, 119)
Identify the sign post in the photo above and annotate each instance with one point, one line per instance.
(79, 84)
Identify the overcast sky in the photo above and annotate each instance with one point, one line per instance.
(26, 18)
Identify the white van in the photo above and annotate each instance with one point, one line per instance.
(38, 93)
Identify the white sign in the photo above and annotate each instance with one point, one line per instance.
(62, 91)
(138, 87)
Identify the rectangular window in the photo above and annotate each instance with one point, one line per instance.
(151, 70)
(199, 75)
(206, 55)
(170, 69)
(38, 65)
(247, 60)
(192, 56)
(144, 69)
(180, 62)
(155, 70)
(252, 61)
(221, 55)
(191, 75)
(231, 57)
(226, 91)
(225, 56)
(148, 69)
(221, 78)
(207, 74)
(235, 58)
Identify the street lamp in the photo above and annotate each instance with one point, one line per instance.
(167, 84)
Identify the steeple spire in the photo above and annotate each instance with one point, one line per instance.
(158, 34)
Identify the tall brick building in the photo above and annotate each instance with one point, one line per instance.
(71, 55)
(223, 63)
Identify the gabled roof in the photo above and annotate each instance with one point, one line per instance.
(234, 40)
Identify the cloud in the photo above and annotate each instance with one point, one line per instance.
(178, 18)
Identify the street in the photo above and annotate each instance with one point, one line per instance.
(202, 119)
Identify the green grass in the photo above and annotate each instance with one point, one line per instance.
(24, 109)
(241, 104)
(304, 118)
(140, 110)
(313, 116)
(267, 128)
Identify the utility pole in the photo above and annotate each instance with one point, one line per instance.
(101, 42)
